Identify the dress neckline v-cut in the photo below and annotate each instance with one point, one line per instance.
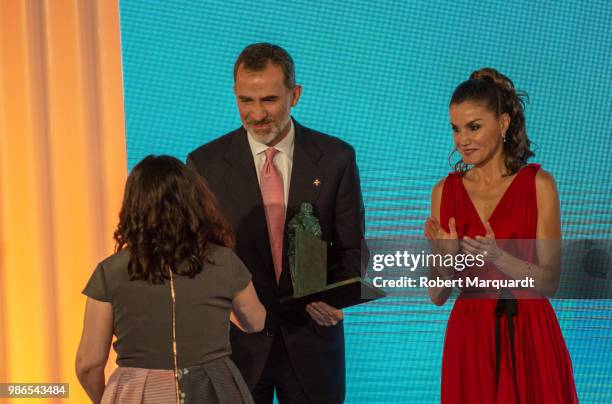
(499, 202)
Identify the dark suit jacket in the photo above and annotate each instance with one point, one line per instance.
(316, 352)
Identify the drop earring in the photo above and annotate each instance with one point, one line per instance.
(504, 137)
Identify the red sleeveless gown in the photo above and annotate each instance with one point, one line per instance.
(542, 363)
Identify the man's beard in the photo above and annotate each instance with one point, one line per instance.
(268, 136)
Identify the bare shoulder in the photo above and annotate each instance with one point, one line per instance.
(437, 189)
(436, 198)
(545, 183)
(549, 209)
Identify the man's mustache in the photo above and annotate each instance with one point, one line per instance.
(262, 122)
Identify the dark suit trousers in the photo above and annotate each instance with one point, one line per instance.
(278, 373)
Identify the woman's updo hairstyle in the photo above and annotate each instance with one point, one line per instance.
(492, 89)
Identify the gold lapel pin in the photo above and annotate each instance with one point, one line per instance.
(316, 182)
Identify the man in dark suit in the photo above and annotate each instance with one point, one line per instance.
(261, 173)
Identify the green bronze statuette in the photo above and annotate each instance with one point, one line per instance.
(307, 255)
(306, 251)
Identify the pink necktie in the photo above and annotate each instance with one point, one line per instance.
(271, 185)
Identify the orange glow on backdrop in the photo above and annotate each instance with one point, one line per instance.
(62, 170)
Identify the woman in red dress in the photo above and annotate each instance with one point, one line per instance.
(510, 349)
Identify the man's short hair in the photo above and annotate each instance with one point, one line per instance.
(255, 57)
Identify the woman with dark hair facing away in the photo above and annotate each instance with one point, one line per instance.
(501, 346)
(168, 295)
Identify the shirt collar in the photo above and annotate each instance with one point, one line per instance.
(284, 146)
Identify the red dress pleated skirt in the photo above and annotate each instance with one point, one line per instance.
(543, 366)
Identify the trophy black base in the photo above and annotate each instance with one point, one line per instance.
(342, 294)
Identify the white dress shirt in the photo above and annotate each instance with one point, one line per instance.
(283, 160)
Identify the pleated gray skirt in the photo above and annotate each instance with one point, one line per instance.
(215, 382)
